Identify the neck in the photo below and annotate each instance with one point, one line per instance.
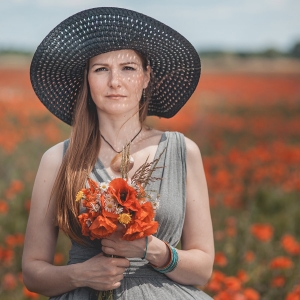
(119, 132)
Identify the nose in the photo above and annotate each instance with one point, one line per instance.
(115, 79)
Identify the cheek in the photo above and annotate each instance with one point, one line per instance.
(136, 82)
(95, 85)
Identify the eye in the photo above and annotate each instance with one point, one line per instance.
(128, 68)
(100, 69)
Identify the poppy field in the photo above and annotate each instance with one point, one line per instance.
(247, 125)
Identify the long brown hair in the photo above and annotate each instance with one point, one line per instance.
(82, 154)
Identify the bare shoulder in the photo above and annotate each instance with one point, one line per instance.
(53, 155)
(192, 149)
(51, 160)
(43, 184)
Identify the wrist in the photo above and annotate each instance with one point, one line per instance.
(75, 276)
(172, 263)
(158, 253)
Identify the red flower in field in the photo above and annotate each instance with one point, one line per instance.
(9, 281)
(218, 276)
(3, 207)
(231, 226)
(294, 294)
(6, 255)
(15, 187)
(242, 276)
(214, 286)
(263, 232)
(249, 256)
(278, 281)
(281, 262)
(29, 294)
(27, 205)
(14, 240)
(230, 201)
(229, 295)
(251, 294)
(219, 235)
(223, 295)
(233, 283)
(58, 259)
(290, 245)
(220, 259)
(216, 281)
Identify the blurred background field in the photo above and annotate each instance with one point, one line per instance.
(245, 117)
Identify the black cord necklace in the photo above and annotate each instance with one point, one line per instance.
(122, 149)
(115, 164)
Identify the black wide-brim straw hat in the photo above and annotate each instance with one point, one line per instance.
(57, 67)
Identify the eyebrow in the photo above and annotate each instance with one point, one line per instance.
(122, 64)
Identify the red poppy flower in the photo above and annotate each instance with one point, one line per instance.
(85, 222)
(102, 227)
(290, 244)
(220, 259)
(263, 232)
(139, 229)
(251, 294)
(124, 194)
(278, 281)
(281, 262)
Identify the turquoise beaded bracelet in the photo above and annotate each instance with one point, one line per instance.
(172, 264)
(145, 253)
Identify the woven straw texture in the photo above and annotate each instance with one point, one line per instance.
(57, 67)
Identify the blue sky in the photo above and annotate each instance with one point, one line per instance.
(222, 24)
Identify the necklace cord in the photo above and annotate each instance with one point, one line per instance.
(122, 149)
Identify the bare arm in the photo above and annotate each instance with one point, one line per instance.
(39, 273)
(197, 254)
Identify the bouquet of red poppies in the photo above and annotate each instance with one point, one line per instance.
(121, 201)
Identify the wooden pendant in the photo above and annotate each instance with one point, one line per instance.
(115, 164)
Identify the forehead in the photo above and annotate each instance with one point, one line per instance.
(120, 56)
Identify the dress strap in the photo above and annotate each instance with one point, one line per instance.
(66, 145)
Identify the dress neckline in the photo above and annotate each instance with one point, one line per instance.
(157, 153)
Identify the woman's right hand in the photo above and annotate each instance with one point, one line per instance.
(100, 272)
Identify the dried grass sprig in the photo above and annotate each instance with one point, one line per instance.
(143, 174)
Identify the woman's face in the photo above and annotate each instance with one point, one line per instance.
(116, 81)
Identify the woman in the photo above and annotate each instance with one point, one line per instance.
(102, 71)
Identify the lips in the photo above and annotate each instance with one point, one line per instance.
(115, 96)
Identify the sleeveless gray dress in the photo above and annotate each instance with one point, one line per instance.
(141, 281)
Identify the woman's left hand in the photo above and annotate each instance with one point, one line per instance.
(115, 245)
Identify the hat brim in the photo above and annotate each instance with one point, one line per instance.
(58, 64)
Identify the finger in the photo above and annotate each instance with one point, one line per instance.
(106, 242)
(108, 250)
(114, 284)
(122, 262)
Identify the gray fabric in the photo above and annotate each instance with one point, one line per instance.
(141, 281)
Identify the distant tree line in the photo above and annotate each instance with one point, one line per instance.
(294, 52)
(15, 52)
